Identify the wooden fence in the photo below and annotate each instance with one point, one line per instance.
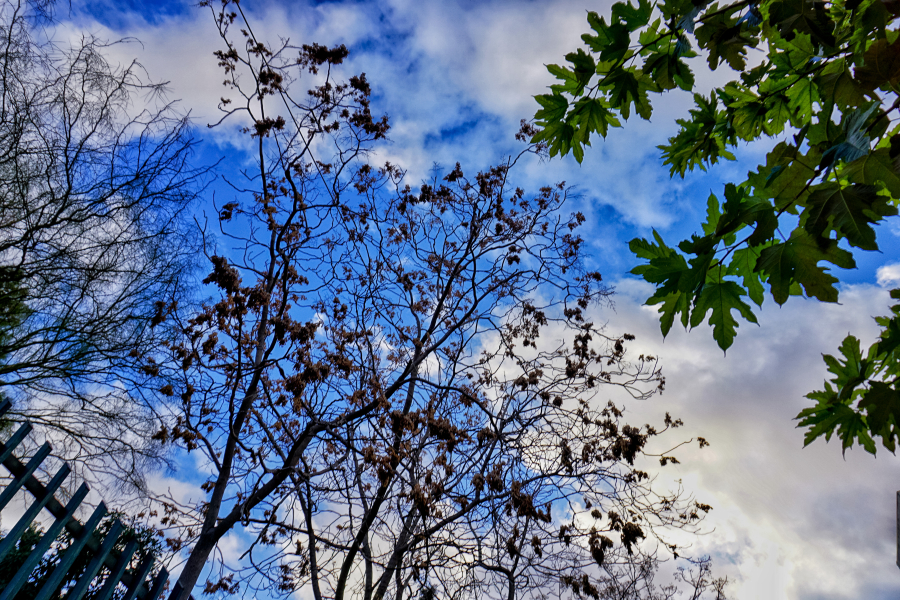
(105, 560)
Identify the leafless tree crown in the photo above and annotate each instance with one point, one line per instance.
(93, 239)
(398, 392)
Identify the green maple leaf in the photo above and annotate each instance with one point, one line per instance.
(593, 115)
(674, 278)
(741, 210)
(802, 94)
(625, 89)
(567, 76)
(889, 340)
(634, 17)
(721, 297)
(668, 71)
(785, 175)
(832, 412)
(611, 41)
(553, 107)
(667, 268)
(724, 40)
(682, 75)
(854, 427)
(850, 372)
(837, 83)
(848, 211)
(873, 168)
(560, 136)
(882, 405)
(795, 17)
(778, 113)
(700, 141)
(713, 214)
(675, 8)
(829, 418)
(797, 261)
(584, 68)
(796, 53)
(881, 65)
(750, 120)
(678, 303)
(743, 265)
(824, 417)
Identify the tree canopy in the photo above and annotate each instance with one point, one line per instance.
(826, 88)
(94, 233)
(398, 392)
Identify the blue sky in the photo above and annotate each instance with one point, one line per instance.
(455, 78)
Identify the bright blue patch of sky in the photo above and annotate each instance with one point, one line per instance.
(116, 14)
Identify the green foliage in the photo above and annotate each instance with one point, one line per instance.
(828, 85)
(862, 400)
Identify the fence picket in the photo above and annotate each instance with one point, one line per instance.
(15, 440)
(102, 553)
(142, 572)
(10, 540)
(12, 588)
(30, 468)
(116, 575)
(158, 584)
(81, 587)
(71, 553)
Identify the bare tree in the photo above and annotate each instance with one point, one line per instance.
(398, 392)
(93, 239)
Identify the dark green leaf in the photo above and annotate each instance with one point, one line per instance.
(721, 297)
(593, 115)
(785, 176)
(850, 372)
(797, 261)
(626, 90)
(725, 40)
(553, 107)
(793, 17)
(713, 214)
(678, 303)
(611, 41)
(873, 168)
(889, 340)
(633, 16)
(836, 82)
(743, 265)
(882, 405)
(881, 66)
(559, 137)
(583, 65)
(701, 140)
(854, 428)
(802, 94)
(848, 211)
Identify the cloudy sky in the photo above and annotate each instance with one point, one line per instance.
(455, 78)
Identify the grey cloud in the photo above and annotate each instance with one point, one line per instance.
(790, 522)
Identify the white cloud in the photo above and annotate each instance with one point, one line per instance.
(454, 78)
(888, 275)
(790, 522)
